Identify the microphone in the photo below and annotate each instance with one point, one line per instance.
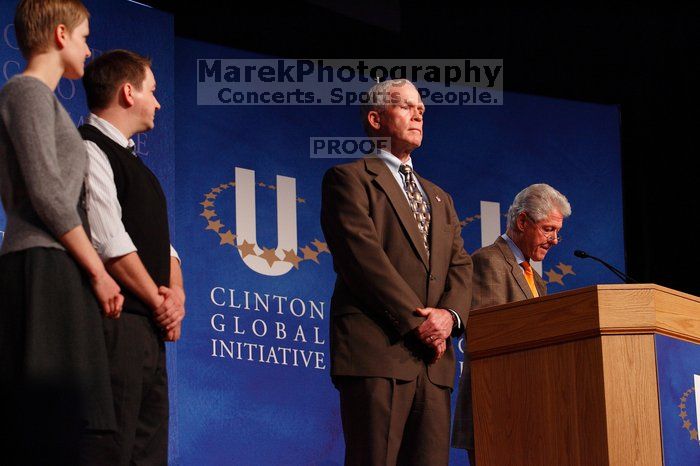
(622, 276)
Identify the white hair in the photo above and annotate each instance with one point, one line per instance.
(378, 97)
(537, 201)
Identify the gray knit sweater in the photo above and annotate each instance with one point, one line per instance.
(42, 166)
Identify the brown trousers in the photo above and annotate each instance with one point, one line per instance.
(392, 422)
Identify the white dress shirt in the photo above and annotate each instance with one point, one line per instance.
(393, 163)
(519, 256)
(109, 237)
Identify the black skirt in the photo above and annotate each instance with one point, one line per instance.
(51, 339)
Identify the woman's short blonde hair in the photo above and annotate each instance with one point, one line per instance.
(36, 21)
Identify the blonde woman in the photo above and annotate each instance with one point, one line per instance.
(52, 283)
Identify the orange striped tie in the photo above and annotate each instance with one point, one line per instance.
(530, 278)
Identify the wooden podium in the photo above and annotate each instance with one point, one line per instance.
(570, 378)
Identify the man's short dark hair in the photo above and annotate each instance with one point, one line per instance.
(107, 73)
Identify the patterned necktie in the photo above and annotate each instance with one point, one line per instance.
(419, 206)
(530, 278)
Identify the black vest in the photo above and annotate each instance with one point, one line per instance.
(144, 212)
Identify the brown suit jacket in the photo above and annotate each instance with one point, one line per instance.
(498, 279)
(384, 273)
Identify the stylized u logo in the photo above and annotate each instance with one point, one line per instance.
(246, 225)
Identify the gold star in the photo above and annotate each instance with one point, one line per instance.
(309, 254)
(301, 200)
(210, 196)
(694, 434)
(291, 257)
(270, 256)
(261, 184)
(565, 269)
(554, 277)
(208, 214)
(224, 186)
(683, 415)
(216, 226)
(232, 183)
(246, 248)
(682, 405)
(686, 424)
(216, 190)
(320, 246)
(207, 203)
(227, 238)
(272, 186)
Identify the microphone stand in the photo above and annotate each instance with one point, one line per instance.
(622, 276)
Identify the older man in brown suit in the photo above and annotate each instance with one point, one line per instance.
(502, 274)
(403, 289)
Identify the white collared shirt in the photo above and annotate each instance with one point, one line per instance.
(519, 256)
(109, 237)
(393, 163)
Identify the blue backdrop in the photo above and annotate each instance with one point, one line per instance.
(241, 406)
(250, 380)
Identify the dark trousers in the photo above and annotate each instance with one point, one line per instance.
(393, 422)
(54, 379)
(140, 385)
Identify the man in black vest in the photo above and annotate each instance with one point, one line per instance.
(127, 209)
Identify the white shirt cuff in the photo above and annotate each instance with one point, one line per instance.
(117, 246)
(173, 253)
(459, 321)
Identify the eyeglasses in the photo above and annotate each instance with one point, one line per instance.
(552, 237)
